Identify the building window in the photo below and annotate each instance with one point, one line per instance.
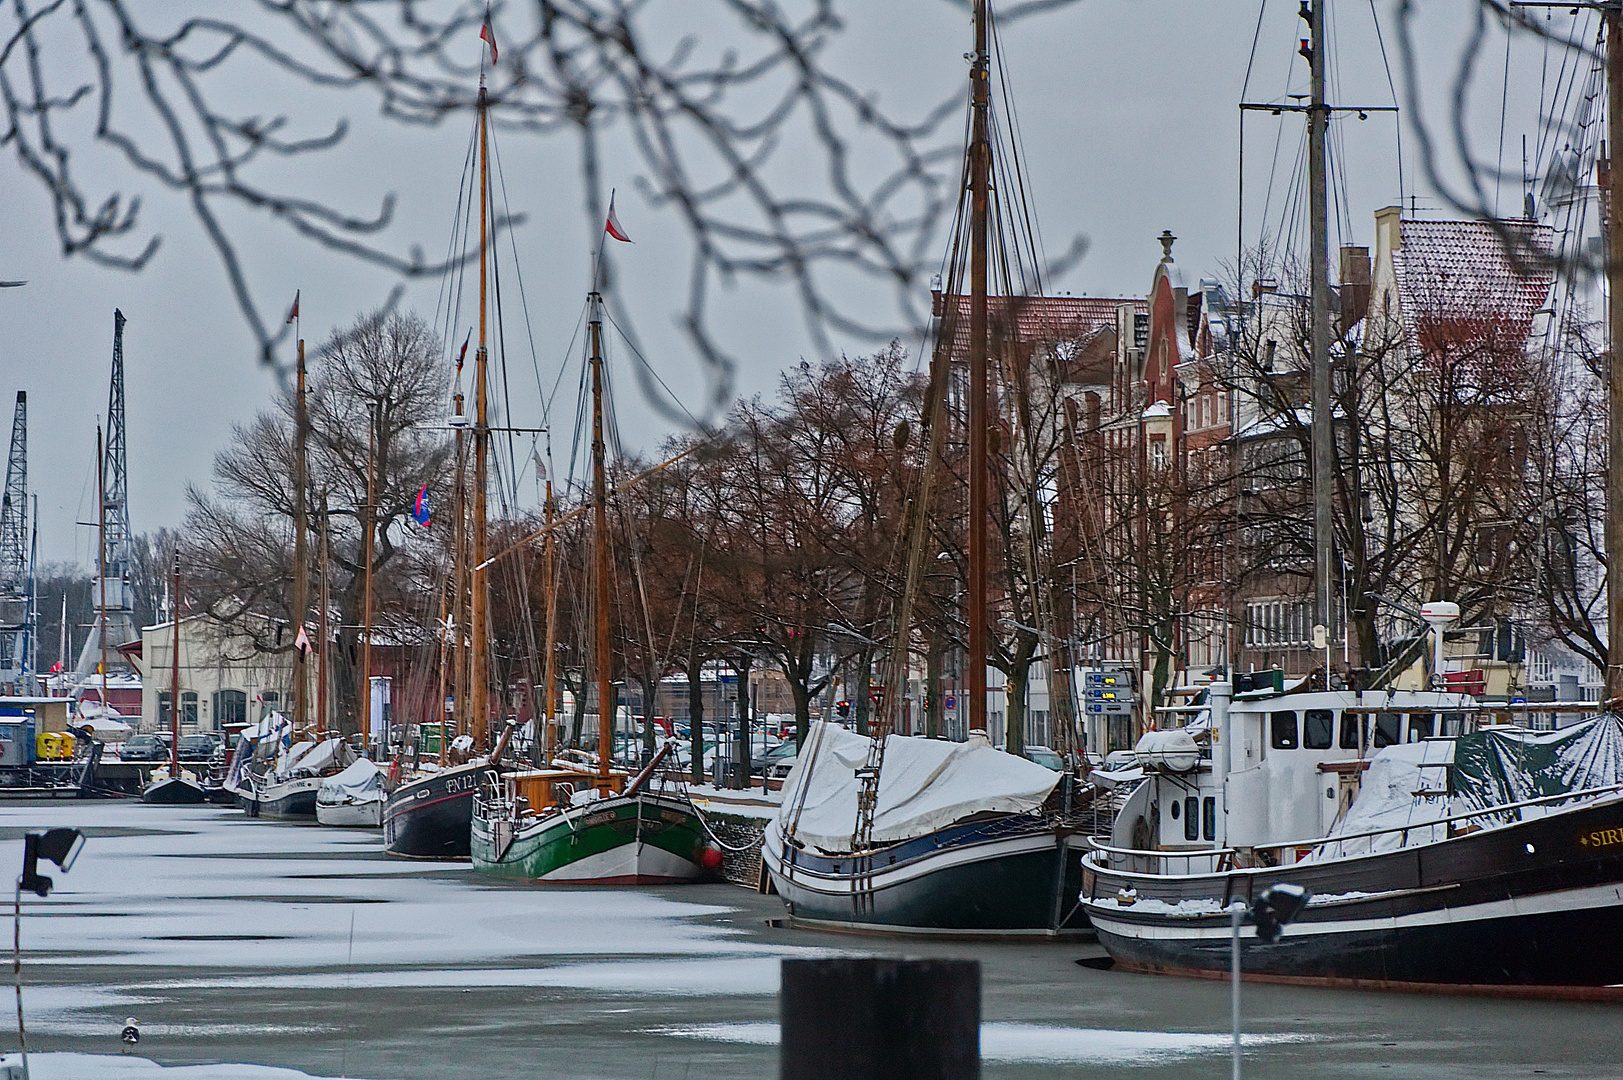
(230, 707)
(163, 709)
(188, 707)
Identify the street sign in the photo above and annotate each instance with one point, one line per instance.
(950, 702)
(1110, 708)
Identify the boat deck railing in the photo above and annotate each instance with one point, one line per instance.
(1218, 857)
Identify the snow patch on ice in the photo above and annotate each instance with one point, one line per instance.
(108, 1067)
(1035, 1043)
(681, 978)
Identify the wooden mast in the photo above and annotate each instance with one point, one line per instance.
(370, 530)
(478, 614)
(301, 584)
(606, 705)
(321, 628)
(174, 676)
(550, 676)
(980, 174)
(1614, 319)
(459, 569)
(1318, 117)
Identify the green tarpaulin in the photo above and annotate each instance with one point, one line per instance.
(1496, 766)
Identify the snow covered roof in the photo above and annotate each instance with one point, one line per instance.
(1040, 319)
(1472, 279)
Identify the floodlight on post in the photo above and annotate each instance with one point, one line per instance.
(60, 846)
(1271, 912)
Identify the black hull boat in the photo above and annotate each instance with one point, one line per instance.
(432, 817)
(1457, 851)
(1003, 876)
(1537, 903)
(287, 800)
(174, 791)
(967, 841)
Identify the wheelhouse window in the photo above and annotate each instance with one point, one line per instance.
(1388, 729)
(1421, 725)
(1349, 731)
(1209, 817)
(1191, 818)
(1282, 726)
(1318, 726)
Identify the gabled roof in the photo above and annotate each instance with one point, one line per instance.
(1040, 319)
(1489, 275)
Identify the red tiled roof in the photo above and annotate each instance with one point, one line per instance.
(1040, 319)
(1463, 272)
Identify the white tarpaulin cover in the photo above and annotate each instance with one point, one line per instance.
(361, 782)
(925, 785)
(107, 726)
(311, 758)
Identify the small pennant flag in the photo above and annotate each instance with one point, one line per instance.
(612, 225)
(294, 314)
(489, 36)
(303, 642)
(419, 508)
(463, 355)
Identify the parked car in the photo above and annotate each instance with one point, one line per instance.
(1045, 757)
(781, 758)
(200, 747)
(144, 748)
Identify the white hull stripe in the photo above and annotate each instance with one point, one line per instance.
(883, 877)
(627, 861)
(1173, 928)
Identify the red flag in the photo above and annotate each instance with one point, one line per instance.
(612, 225)
(294, 314)
(463, 355)
(490, 36)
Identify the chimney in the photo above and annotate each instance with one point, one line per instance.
(1354, 285)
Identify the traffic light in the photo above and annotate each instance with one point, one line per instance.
(843, 708)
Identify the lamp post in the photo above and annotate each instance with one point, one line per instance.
(61, 846)
(1271, 912)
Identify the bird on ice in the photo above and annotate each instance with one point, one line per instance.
(131, 1033)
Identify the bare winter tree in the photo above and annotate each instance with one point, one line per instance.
(239, 538)
(110, 100)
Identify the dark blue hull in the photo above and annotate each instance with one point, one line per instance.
(432, 818)
(1011, 875)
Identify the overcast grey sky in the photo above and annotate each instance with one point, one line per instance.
(1128, 112)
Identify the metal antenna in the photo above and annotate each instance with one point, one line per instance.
(115, 595)
(14, 568)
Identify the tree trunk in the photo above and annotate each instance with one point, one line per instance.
(932, 687)
(862, 699)
(695, 673)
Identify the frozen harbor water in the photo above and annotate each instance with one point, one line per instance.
(253, 950)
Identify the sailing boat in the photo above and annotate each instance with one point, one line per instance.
(173, 786)
(1433, 841)
(285, 786)
(888, 833)
(429, 814)
(535, 824)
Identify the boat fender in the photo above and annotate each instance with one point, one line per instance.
(710, 857)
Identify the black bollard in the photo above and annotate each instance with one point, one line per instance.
(880, 1020)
